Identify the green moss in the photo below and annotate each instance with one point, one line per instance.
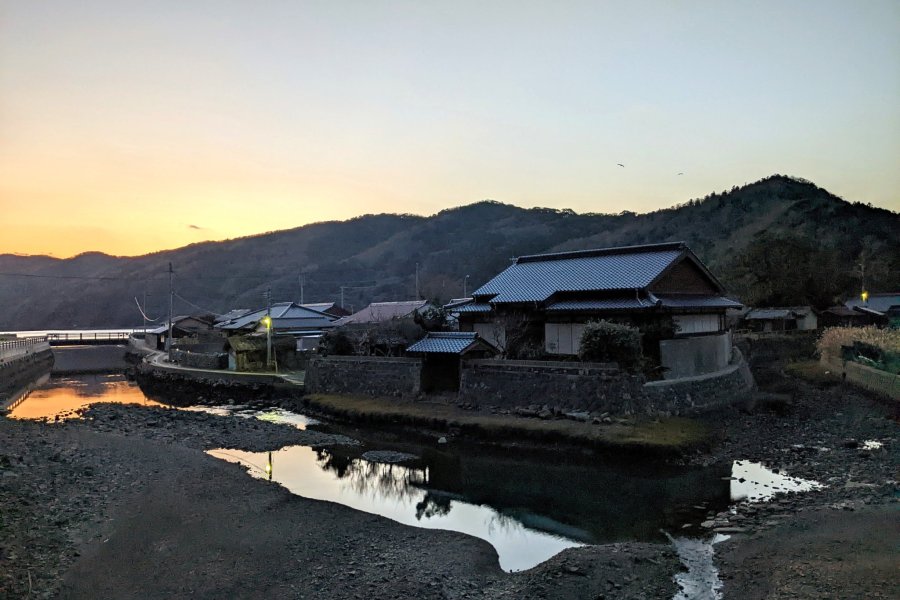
(675, 434)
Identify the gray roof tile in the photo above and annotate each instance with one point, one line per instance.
(536, 278)
(449, 342)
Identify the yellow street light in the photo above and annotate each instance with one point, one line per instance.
(864, 296)
(267, 321)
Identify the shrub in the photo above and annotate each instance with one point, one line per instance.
(337, 343)
(603, 341)
(831, 340)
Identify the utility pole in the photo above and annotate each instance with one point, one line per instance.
(268, 327)
(301, 288)
(417, 281)
(466, 286)
(342, 296)
(171, 304)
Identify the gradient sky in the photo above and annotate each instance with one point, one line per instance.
(129, 127)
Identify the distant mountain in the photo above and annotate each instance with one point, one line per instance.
(780, 240)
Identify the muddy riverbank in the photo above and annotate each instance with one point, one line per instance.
(125, 504)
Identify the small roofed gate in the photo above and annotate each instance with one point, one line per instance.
(442, 353)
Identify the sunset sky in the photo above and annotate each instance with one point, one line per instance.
(129, 127)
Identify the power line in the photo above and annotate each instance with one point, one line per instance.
(180, 297)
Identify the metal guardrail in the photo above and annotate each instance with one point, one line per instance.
(10, 349)
(87, 337)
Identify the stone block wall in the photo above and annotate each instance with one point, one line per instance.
(592, 387)
(200, 360)
(596, 388)
(704, 392)
(364, 375)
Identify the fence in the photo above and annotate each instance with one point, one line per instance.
(12, 349)
(87, 337)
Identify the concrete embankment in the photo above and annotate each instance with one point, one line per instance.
(178, 384)
(18, 370)
(78, 360)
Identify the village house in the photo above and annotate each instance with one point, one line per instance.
(883, 308)
(789, 318)
(329, 308)
(545, 300)
(287, 318)
(183, 328)
(385, 328)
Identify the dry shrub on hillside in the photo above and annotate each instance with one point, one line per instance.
(831, 340)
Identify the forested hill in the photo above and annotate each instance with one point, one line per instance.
(777, 241)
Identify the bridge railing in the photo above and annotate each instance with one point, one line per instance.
(23, 346)
(88, 337)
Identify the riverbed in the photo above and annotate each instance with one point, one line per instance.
(97, 469)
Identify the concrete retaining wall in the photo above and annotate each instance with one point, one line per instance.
(70, 360)
(692, 356)
(365, 375)
(16, 372)
(881, 382)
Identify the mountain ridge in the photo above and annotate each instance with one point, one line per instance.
(375, 257)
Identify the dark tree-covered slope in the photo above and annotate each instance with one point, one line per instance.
(777, 241)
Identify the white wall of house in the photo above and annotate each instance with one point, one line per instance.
(562, 338)
(493, 333)
(688, 324)
(691, 356)
(807, 321)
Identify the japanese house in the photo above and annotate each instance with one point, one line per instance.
(545, 300)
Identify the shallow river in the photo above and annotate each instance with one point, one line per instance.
(527, 506)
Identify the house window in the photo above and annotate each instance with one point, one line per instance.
(563, 338)
(690, 324)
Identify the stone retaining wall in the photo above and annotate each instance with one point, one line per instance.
(366, 375)
(592, 387)
(701, 393)
(595, 388)
(200, 360)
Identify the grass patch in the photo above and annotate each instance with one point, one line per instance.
(672, 434)
(813, 371)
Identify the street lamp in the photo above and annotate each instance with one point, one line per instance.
(466, 286)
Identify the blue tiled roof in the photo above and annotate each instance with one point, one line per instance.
(474, 307)
(697, 301)
(536, 278)
(769, 313)
(607, 304)
(878, 302)
(450, 342)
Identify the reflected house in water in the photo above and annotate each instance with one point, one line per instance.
(545, 300)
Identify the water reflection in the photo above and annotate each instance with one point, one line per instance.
(272, 415)
(391, 491)
(61, 398)
(754, 482)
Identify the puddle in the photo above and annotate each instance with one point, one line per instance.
(754, 482)
(402, 494)
(62, 398)
(272, 415)
(701, 580)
